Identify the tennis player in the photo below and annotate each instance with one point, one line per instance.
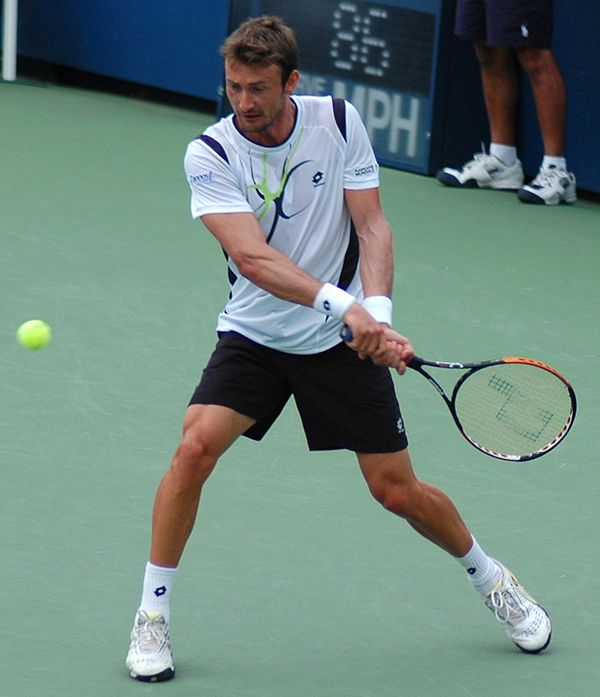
(289, 187)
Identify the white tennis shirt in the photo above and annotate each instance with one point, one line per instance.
(296, 190)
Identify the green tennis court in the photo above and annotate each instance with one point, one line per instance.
(295, 583)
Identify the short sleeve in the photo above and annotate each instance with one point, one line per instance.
(214, 187)
(361, 169)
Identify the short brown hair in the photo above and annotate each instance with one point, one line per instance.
(263, 40)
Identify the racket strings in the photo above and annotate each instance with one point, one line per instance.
(519, 412)
(513, 409)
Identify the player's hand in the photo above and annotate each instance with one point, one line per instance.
(399, 351)
(382, 344)
(368, 336)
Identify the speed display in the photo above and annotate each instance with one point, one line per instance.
(366, 42)
(378, 55)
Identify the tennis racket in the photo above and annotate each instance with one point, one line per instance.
(510, 408)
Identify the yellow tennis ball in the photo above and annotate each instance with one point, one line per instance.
(34, 334)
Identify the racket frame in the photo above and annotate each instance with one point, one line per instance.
(417, 364)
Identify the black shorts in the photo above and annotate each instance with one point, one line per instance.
(510, 23)
(343, 401)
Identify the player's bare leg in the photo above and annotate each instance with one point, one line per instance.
(392, 482)
(208, 431)
(432, 514)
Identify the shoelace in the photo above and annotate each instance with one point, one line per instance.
(478, 157)
(546, 176)
(150, 635)
(507, 608)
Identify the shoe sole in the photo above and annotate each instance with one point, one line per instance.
(534, 651)
(166, 674)
(450, 180)
(527, 197)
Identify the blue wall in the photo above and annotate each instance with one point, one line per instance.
(174, 46)
(170, 45)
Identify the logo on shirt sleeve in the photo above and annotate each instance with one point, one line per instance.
(202, 178)
(364, 171)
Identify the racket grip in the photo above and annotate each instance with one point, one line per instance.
(346, 333)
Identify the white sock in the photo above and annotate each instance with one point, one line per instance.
(483, 571)
(156, 594)
(505, 153)
(552, 161)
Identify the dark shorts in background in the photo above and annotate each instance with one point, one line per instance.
(343, 401)
(510, 23)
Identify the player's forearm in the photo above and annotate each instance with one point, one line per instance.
(278, 275)
(377, 259)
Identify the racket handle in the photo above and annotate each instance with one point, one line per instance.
(346, 333)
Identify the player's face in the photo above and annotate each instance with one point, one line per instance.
(261, 103)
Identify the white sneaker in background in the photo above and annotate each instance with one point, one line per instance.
(484, 171)
(551, 187)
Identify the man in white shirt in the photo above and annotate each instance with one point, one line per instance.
(289, 188)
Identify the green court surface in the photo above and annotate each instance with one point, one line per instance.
(295, 583)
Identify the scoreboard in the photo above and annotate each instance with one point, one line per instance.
(381, 56)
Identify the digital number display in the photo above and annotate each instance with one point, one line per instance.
(370, 43)
(380, 56)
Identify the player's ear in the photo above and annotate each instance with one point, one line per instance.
(292, 81)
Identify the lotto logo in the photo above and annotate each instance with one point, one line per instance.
(317, 179)
(161, 590)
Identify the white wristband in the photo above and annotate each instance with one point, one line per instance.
(333, 301)
(379, 307)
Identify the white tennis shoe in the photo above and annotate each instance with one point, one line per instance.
(484, 171)
(523, 618)
(149, 658)
(550, 187)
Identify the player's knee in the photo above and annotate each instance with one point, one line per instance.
(394, 498)
(193, 462)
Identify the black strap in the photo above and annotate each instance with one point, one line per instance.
(339, 113)
(351, 258)
(215, 145)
